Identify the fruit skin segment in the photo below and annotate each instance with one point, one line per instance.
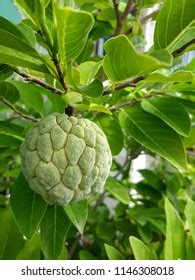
(65, 159)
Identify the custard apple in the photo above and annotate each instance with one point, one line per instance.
(65, 159)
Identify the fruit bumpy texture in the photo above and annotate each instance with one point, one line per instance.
(65, 159)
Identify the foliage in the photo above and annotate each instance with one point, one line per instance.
(143, 101)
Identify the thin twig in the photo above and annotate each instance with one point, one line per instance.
(99, 201)
(20, 114)
(73, 247)
(39, 82)
(142, 21)
(149, 16)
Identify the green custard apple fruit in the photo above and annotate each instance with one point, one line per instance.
(65, 159)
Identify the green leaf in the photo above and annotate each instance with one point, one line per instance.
(112, 130)
(145, 233)
(99, 108)
(173, 18)
(113, 253)
(11, 240)
(28, 7)
(140, 250)
(107, 14)
(31, 250)
(31, 95)
(54, 227)
(176, 77)
(9, 92)
(170, 111)
(77, 213)
(72, 31)
(86, 255)
(117, 190)
(184, 42)
(57, 102)
(28, 33)
(175, 235)
(154, 134)
(11, 28)
(190, 217)
(29, 213)
(18, 58)
(123, 62)
(93, 90)
(88, 71)
(72, 98)
(10, 40)
(5, 72)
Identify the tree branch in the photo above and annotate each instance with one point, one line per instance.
(149, 16)
(127, 10)
(131, 83)
(39, 82)
(142, 21)
(20, 114)
(133, 102)
(118, 18)
(180, 50)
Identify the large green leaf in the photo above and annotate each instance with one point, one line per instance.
(88, 70)
(170, 111)
(93, 90)
(12, 41)
(175, 235)
(117, 190)
(140, 250)
(31, 95)
(54, 227)
(113, 253)
(72, 31)
(19, 58)
(11, 28)
(123, 62)
(77, 213)
(16, 50)
(172, 19)
(190, 216)
(27, 206)
(11, 240)
(9, 92)
(154, 134)
(113, 132)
